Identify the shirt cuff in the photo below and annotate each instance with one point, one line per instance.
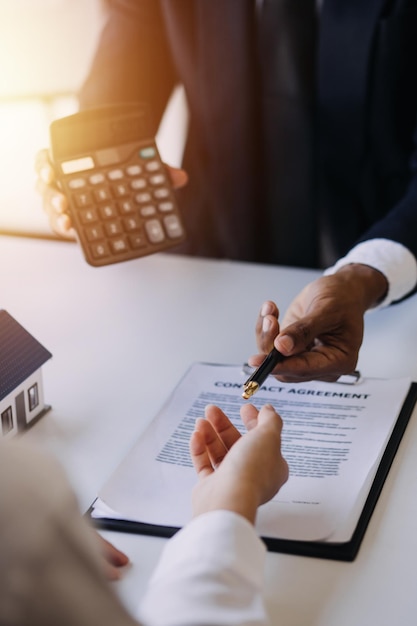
(391, 258)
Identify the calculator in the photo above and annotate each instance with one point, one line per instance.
(120, 198)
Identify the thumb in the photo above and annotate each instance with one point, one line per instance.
(296, 338)
(179, 177)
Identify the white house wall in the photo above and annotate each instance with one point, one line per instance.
(4, 404)
(36, 377)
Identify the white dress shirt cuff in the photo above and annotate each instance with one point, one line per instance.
(391, 258)
(210, 572)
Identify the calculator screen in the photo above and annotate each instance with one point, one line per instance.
(77, 165)
(107, 156)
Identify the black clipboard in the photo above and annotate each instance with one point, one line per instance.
(346, 551)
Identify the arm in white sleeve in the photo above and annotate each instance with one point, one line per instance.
(211, 572)
(391, 258)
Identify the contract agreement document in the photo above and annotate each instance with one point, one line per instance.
(339, 441)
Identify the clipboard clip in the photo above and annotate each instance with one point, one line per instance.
(350, 379)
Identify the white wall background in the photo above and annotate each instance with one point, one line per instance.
(46, 47)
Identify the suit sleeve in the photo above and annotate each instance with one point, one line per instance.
(132, 62)
(400, 224)
(391, 127)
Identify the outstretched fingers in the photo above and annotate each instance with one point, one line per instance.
(199, 453)
(206, 448)
(212, 439)
(249, 414)
(222, 425)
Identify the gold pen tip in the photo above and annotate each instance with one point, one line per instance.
(249, 389)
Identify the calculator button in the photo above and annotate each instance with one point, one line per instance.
(133, 170)
(137, 241)
(126, 206)
(115, 174)
(120, 189)
(97, 179)
(132, 223)
(88, 215)
(119, 244)
(94, 232)
(173, 226)
(138, 183)
(148, 210)
(102, 194)
(153, 166)
(165, 207)
(163, 192)
(147, 153)
(77, 183)
(157, 179)
(113, 228)
(154, 231)
(82, 199)
(143, 197)
(108, 211)
(100, 250)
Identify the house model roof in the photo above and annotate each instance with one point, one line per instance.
(20, 354)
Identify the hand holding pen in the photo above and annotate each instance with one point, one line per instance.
(322, 331)
(258, 377)
(269, 312)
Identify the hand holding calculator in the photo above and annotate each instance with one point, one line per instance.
(120, 197)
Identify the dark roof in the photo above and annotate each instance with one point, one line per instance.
(20, 354)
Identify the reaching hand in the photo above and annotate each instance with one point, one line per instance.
(55, 203)
(112, 558)
(237, 473)
(322, 330)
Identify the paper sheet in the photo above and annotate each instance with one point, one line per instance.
(333, 438)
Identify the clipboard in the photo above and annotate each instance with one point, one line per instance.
(346, 551)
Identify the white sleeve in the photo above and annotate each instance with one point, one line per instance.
(391, 258)
(210, 572)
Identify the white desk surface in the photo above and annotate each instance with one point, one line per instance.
(121, 338)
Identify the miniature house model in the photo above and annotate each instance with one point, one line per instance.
(21, 391)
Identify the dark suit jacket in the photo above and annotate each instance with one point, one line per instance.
(277, 164)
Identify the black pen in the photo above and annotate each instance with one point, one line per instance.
(256, 379)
